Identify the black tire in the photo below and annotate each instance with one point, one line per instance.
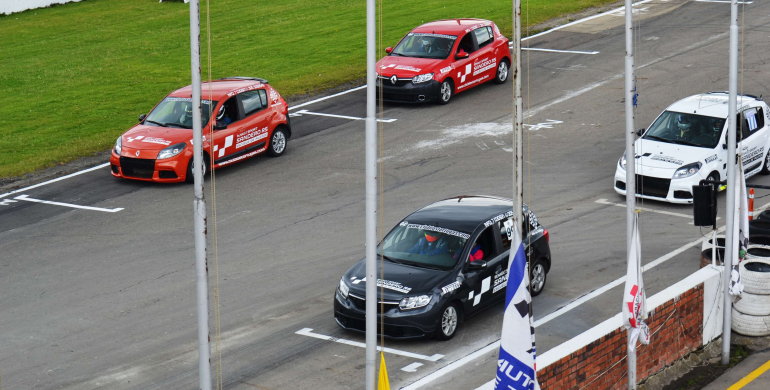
(446, 331)
(189, 177)
(759, 228)
(277, 143)
(539, 271)
(501, 76)
(764, 216)
(446, 91)
(766, 165)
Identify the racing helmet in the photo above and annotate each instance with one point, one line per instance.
(718, 124)
(431, 237)
(426, 42)
(221, 113)
(683, 122)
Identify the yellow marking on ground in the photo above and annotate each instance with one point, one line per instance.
(748, 378)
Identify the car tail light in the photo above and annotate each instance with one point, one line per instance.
(546, 235)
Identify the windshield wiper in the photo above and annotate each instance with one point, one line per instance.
(397, 54)
(683, 142)
(157, 123)
(658, 138)
(178, 125)
(391, 260)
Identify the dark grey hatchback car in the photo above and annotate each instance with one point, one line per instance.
(442, 264)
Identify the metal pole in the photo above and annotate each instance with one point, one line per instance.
(199, 204)
(518, 117)
(371, 200)
(630, 164)
(731, 172)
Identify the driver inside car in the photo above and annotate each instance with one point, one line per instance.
(430, 244)
(426, 45)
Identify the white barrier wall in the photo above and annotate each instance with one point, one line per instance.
(11, 6)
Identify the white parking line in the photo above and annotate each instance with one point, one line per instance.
(355, 118)
(723, 1)
(55, 180)
(412, 367)
(74, 206)
(309, 333)
(559, 51)
(607, 202)
(327, 97)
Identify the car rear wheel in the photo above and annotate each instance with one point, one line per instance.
(766, 165)
(450, 319)
(190, 178)
(502, 72)
(277, 143)
(446, 91)
(537, 277)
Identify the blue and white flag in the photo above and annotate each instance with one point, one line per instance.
(516, 368)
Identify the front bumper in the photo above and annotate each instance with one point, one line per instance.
(407, 92)
(171, 170)
(399, 324)
(656, 184)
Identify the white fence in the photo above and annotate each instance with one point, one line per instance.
(11, 6)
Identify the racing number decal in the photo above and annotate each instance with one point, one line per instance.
(508, 225)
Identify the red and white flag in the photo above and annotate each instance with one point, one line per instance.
(634, 305)
(740, 232)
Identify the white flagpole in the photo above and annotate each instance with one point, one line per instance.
(630, 165)
(731, 172)
(199, 203)
(371, 200)
(518, 118)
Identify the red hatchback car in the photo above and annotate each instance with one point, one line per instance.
(435, 61)
(250, 117)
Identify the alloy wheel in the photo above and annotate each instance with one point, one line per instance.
(538, 278)
(449, 321)
(279, 142)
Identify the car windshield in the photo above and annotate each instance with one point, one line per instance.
(423, 246)
(686, 129)
(424, 45)
(177, 112)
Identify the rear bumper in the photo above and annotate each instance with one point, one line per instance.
(409, 92)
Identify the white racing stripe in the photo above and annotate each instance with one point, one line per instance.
(723, 1)
(74, 206)
(309, 333)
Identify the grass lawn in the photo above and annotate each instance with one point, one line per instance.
(73, 77)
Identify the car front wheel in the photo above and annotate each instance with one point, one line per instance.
(446, 91)
(447, 325)
(205, 167)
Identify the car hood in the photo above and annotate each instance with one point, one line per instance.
(407, 67)
(400, 280)
(142, 137)
(656, 154)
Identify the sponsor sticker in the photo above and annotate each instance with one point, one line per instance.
(466, 85)
(447, 69)
(239, 158)
(244, 89)
(667, 159)
(449, 288)
(477, 26)
(753, 154)
(501, 279)
(250, 136)
(131, 139)
(389, 284)
(710, 158)
(408, 67)
(432, 35)
(484, 65)
(181, 99)
(439, 230)
(155, 140)
(498, 218)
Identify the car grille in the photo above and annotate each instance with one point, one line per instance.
(390, 330)
(400, 97)
(137, 167)
(360, 303)
(652, 186)
(400, 83)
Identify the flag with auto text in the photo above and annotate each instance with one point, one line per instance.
(516, 368)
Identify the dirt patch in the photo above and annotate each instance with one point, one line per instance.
(701, 376)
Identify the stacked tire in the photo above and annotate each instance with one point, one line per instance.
(708, 247)
(751, 314)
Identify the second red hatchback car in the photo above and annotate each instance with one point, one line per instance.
(439, 59)
(250, 118)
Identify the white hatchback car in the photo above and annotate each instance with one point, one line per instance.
(688, 143)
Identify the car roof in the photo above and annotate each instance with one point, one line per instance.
(450, 26)
(710, 104)
(220, 88)
(461, 213)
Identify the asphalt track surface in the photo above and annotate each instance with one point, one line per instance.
(106, 300)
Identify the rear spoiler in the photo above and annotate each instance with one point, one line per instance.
(263, 81)
(745, 94)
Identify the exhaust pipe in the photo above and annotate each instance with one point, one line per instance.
(421, 98)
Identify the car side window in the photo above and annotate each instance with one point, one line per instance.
(506, 232)
(254, 101)
(483, 36)
(228, 113)
(485, 242)
(751, 120)
(466, 43)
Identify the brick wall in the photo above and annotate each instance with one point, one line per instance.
(677, 330)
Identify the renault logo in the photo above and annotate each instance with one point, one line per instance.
(393, 79)
(137, 153)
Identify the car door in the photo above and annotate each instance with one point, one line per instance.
(753, 145)
(229, 113)
(464, 66)
(485, 65)
(481, 281)
(253, 134)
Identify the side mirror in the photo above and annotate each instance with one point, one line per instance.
(219, 126)
(461, 54)
(388, 50)
(141, 117)
(639, 132)
(477, 265)
(724, 146)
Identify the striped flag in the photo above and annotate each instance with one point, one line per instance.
(740, 232)
(634, 306)
(516, 368)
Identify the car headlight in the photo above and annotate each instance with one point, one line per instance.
(622, 162)
(687, 170)
(422, 78)
(119, 145)
(171, 151)
(344, 289)
(414, 302)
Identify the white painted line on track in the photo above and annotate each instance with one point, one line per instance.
(355, 118)
(559, 51)
(723, 1)
(327, 97)
(452, 366)
(412, 367)
(55, 180)
(74, 206)
(688, 216)
(309, 333)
